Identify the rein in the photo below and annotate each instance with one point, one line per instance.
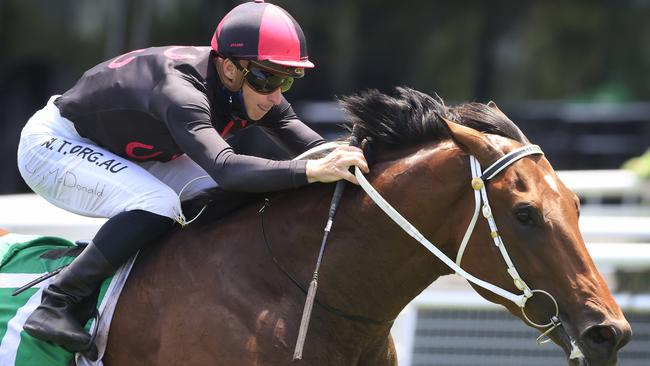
(329, 308)
(480, 193)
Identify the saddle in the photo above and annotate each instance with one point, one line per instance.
(27, 264)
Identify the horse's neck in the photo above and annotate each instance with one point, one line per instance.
(371, 267)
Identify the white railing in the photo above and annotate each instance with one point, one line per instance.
(596, 185)
(31, 214)
(404, 330)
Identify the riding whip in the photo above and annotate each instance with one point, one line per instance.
(79, 243)
(40, 279)
(311, 293)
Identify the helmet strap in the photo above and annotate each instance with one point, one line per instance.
(234, 85)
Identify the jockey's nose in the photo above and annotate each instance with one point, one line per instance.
(604, 340)
(276, 96)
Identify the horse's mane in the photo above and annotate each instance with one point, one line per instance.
(406, 117)
(402, 118)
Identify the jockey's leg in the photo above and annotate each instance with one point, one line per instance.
(117, 240)
(183, 174)
(77, 175)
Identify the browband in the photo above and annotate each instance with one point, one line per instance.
(505, 160)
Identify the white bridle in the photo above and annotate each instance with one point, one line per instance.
(480, 193)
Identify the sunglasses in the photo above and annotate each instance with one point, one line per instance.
(264, 82)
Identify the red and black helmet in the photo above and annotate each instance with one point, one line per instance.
(263, 32)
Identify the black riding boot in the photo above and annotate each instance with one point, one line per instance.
(54, 320)
(116, 241)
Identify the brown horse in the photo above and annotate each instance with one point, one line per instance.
(213, 293)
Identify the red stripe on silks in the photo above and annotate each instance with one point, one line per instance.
(131, 152)
(278, 36)
(227, 128)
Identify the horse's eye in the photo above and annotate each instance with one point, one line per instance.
(524, 215)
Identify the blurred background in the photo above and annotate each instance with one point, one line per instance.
(574, 75)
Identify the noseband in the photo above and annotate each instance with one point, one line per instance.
(480, 194)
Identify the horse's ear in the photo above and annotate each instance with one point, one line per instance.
(493, 105)
(473, 142)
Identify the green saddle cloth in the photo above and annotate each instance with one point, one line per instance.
(22, 259)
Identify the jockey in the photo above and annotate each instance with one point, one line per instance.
(134, 130)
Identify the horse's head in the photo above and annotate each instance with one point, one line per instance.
(536, 214)
(537, 217)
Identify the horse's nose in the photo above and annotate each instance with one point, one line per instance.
(602, 341)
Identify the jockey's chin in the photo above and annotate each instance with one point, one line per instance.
(257, 104)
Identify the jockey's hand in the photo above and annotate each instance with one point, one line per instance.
(336, 165)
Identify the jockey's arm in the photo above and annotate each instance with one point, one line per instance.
(237, 172)
(283, 123)
(188, 119)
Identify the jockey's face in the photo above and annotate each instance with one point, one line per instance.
(257, 105)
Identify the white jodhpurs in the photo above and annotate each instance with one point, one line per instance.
(75, 174)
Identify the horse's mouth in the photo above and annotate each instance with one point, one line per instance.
(577, 362)
(575, 355)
